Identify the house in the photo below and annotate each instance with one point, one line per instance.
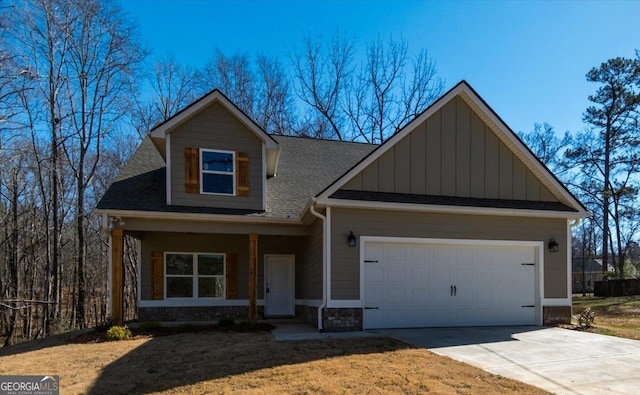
(585, 272)
(450, 222)
(592, 272)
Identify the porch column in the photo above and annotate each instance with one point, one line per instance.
(253, 278)
(117, 276)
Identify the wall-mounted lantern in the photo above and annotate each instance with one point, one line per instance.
(553, 245)
(352, 240)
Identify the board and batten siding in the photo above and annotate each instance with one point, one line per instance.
(452, 153)
(217, 129)
(345, 260)
(217, 243)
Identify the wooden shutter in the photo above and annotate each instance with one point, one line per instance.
(232, 276)
(192, 170)
(157, 275)
(242, 174)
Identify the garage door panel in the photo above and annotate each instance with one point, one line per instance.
(411, 284)
(399, 273)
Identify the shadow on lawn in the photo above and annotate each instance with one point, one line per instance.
(164, 363)
(46, 342)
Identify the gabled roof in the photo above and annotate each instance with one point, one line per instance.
(306, 167)
(215, 95)
(502, 131)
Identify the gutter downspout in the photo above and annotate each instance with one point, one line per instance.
(323, 305)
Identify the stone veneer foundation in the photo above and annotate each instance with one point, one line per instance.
(340, 320)
(204, 313)
(307, 314)
(556, 315)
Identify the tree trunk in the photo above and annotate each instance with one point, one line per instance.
(605, 202)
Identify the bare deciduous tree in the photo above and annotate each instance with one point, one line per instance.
(100, 77)
(369, 102)
(234, 77)
(322, 76)
(387, 93)
(173, 87)
(547, 146)
(274, 106)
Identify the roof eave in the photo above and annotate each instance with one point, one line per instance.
(228, 218)
(446, 209)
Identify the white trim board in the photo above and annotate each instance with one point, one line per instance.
(434, 208)
(167, 171)
(344, 304)
(197, 302)
(198, 217)
(308, 302)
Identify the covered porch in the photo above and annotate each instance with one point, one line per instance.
(206, 271)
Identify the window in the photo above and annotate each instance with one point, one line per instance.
(217, 172)
(195, 275)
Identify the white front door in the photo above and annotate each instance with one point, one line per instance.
(279, 287)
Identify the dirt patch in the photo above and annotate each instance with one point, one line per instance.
(225, 362)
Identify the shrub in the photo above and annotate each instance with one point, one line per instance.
(226, 322)
(118, 332)
(149, 326)
(586, 318)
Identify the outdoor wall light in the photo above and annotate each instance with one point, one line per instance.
(351, 240)
(553, 245)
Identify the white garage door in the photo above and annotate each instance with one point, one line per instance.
(421, 285)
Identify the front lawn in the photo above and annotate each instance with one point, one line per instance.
(616, 316)
(220, 362)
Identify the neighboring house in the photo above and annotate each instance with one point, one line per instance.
(450, 222)
(592, 272)
(585, 272)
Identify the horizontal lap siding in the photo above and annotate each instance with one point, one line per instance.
(452, 153)
(215, 128)
(309, 270)
(215, 243)
(345, 267)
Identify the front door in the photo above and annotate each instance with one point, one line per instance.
(279, 287)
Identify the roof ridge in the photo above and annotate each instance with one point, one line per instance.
(322, 139)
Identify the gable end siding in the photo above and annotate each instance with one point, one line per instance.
(216, 128)
(453, 153)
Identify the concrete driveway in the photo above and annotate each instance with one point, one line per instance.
(558, 360)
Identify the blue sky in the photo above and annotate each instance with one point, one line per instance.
(527, 59)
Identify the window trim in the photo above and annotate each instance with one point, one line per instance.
(195, 276)
(224, 173)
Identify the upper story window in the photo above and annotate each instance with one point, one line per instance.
(217, 172)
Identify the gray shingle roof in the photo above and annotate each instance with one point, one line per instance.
(306, 166)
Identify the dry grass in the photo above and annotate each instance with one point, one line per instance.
(215, 362)
(616, 316)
